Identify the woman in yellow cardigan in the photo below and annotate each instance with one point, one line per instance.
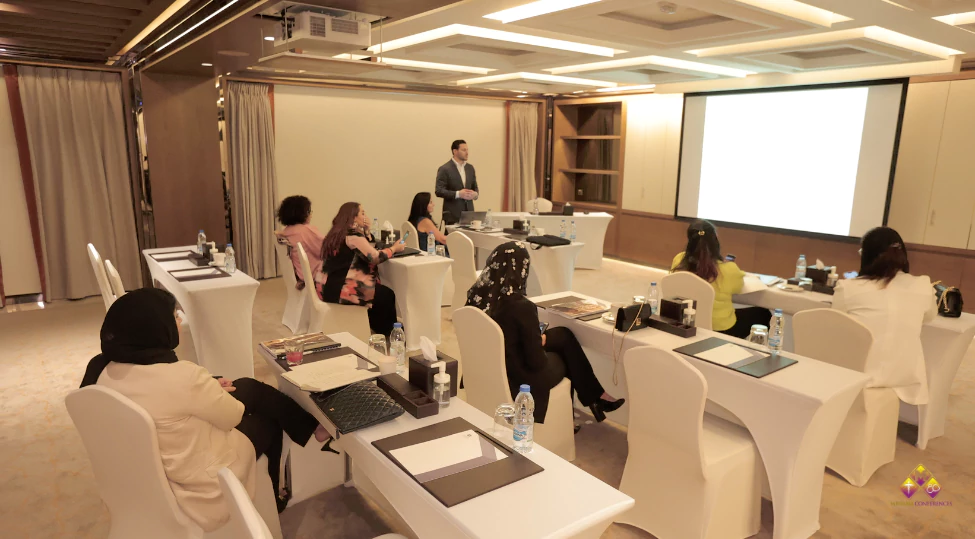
(702, 257)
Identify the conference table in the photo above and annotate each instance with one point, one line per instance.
(418, 282)
(220, 312)
(561, 501)
(944, 340)
(551, 267)
(794, 415)
(590, 231)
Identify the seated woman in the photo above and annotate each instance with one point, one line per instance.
(421, 218)
(202, 423)
(894, 305)
(294, 213)
(350, 273)
(702, 257)
(531, 357)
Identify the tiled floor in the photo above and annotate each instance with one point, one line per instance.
(48, 489)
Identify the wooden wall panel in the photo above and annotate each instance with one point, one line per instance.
(184, 158)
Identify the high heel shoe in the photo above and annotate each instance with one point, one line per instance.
(601, 406)
(328, 446)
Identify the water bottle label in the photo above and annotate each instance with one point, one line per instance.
(520, 433)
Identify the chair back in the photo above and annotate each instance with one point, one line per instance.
(413, 240)
(462, 253)
(670, 404)
(245, 522)
(114, 280)
(312, 294)
(100, 276)
(285, 266)
(482, 354)
(120, 439)
(687, 285)
(544, 205)
(833, 337)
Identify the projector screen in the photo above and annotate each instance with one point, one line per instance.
(812, 160)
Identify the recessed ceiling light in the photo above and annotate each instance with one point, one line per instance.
(269, 38)
(3, 50)
(487, 33)
(957, 19)
(197, 25)
(538, 77)
(521, 96)
(799, 10)
(204, 64)
(653, 60)
(628, 88)
(228, 72)
(534, 9)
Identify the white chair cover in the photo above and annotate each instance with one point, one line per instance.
(692, 475)
(465, 273)
(413, 239)
(544, 205)
(296, 310)
(245, 521)
(332, 317)
(688, 285)
(114, 280)
(99, 268)
(486, 381)
(868, 437)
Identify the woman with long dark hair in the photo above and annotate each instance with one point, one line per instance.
(202, 423)
(702, 257)
(894, 305)
(295, 213)
(421, 217)
(350, 273)
(531, 357)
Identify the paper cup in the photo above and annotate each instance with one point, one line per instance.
(219, 259)
(475, 224)
(387, 365)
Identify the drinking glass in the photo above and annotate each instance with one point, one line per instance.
(377, 348)
(759, 335)
(441, 251)
(294, 351)
(504, 422)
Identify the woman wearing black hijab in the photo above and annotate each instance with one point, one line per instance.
(202, 424)
(531, 357)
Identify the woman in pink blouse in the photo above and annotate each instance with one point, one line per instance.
(294, 213)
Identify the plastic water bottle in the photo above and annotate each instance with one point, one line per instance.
(397, 346)
(572, 231)
(230, 261)
(776, 332)
(562, 230)
(654, 298)
(431, 244)
(488, 223)
(524, 431)
(201, 238)
(534, 206)
(801, 267)
(375, 228)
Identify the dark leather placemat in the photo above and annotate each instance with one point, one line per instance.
(218, 273)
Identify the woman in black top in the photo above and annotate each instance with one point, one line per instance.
(349, 268)
(538, 359)
(422, 219)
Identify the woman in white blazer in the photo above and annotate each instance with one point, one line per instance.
(894, 305)
(203, 423)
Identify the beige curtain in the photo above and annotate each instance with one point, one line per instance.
(250, 143)
(522, 141)
(76, 134)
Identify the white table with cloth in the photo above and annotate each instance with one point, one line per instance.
(418, 282)
(561, 501)
(551, 267)
(794, 414)
(590, 231)
(220, 313)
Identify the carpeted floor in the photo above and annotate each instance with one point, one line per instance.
(48, 489)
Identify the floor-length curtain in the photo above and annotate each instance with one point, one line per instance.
(250, 145)
(76, 133)
(522, 140)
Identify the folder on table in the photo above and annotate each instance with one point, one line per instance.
(736, 357)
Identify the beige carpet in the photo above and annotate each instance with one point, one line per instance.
(48, 489)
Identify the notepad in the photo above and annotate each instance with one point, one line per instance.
(448, 455)
(726, 354)
(331, 373)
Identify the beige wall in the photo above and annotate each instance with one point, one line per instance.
(380, 149)
(16, 244)
(653, 124)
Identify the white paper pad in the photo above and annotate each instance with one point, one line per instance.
(165, 257)
(196, 272)
(331, 373)
(178, 265)
(752, 283)
(447, 452)
(726, 354)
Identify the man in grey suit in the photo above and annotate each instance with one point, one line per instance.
(456, 184)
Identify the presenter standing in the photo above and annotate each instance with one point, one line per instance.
(456, 184)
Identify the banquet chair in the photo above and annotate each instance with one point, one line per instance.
(868, 437)
(245, 522)
(486, 381)
(687, 285)
(413, 240)
(332, 317)
(465, 273)
(121, 442)
(544, 205)
(692, 475)
(114, 280)
(296, 307)
(100, 276)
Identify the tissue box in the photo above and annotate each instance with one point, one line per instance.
(421, 372)
(673, 308)
(818, 276)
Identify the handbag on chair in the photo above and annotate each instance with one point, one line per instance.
(949, 300)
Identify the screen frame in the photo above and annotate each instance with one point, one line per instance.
(904, 82)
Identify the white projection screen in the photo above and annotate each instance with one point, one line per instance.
(807, 159)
